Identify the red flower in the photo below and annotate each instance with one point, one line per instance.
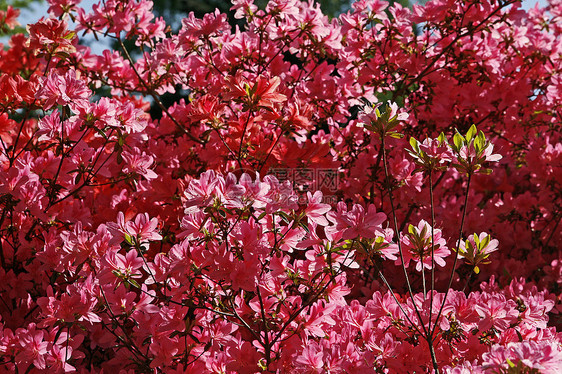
(261, 94)
(9, 17)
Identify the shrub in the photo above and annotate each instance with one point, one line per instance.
(379, 192)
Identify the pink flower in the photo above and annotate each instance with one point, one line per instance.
(103, 113)
(431, 153)
(405, 172)
(62, 7)
(485, 154)
(276, 195)
(384, 246)
(200, 192)
(472, 150)
(58, 359)
(315, 209)
(49, 127)
(34, 347)
(133, 119)
(63, 90)
(543, 356)
(477, 248)
(243, 8)
(356, 222)
(495, 311)
(311, 358)
(117, 267)
(143, 229)
(318, 317)
(13, 179)
(138, 162)
(382, 122)
(417, 245)
(7, 127)
(194, 28)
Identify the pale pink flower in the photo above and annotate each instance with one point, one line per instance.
(138, 162)
(243, 8)
(316, 210)
(477, 248)
(417, 246)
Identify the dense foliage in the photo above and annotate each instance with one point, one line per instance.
(376, 193)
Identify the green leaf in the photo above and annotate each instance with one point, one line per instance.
(423, 233)
(485, 242)
(470, 248)
(134, 283)
(511, 364)
(458, 140)
(414, 144)
(304, 226)
(205, 134)
(479, 143)
(284, 216)
(262, 364)
(100, 132)
(471, 133)
(411, 229)
(476, 240)
(62, 54)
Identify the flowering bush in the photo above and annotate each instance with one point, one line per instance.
(283, 216)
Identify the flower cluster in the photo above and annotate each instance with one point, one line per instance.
(138, 235)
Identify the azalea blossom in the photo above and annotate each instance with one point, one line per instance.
(477, 248)
(425, 246)
(239, 198)
(64, 89)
